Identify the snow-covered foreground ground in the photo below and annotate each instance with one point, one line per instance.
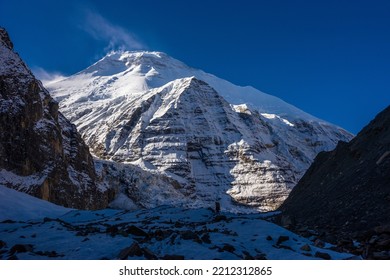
(165, 232)
(18, 206)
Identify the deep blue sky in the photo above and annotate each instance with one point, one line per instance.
(330, 58)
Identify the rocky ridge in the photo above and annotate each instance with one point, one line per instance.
(41, 152)
(345, 194)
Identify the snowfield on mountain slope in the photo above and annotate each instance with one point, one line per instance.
(35, 229)
(213, 139)
(19, 206)
(122, 73)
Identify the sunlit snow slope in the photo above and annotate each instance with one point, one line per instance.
(212, 139)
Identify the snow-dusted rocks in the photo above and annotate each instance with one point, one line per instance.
(41, 230)
(213, 139)
(41, 152)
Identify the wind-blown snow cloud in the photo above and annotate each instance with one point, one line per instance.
(117, 37)
(47, 77)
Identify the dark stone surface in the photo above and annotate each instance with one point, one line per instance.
(173, 257)
(322, 255)
(133, 250)
(282, 239)
(135, 231)
(21, 248)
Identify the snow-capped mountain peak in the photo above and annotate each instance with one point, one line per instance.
(123, 72)
(215, 140)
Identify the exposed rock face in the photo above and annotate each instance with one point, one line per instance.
(154, 112)
(200, 159)
(41, 152)
(346, 192)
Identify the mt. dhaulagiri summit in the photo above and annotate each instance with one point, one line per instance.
(197, 137)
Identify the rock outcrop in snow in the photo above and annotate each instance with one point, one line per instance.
(41, 152)
(214, 140)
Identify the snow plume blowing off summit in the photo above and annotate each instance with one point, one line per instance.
(102, 30)
(177, 135)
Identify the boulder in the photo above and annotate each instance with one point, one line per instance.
(21, 248)
(134, 230)
(133, 250)
(282, 239)
(173, 257)
(306, 248)
(322, 255)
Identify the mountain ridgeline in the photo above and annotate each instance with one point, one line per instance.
(345, 194)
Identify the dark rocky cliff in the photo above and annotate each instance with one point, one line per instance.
(345, 194)
(41, 152)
